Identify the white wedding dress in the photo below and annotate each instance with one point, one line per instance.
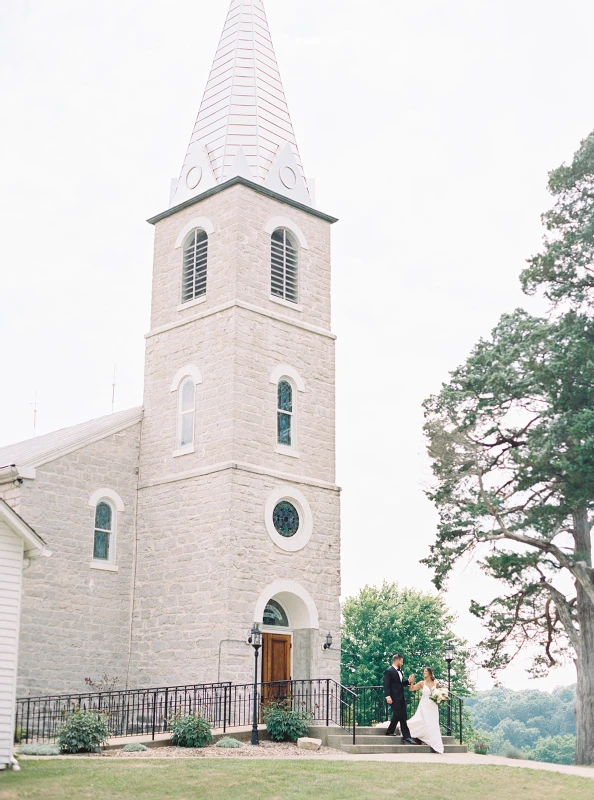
(424, 725)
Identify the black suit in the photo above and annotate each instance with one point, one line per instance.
(394, 688)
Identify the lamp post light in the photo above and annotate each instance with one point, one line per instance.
(328, 642)
(449, 657)
(256, 642)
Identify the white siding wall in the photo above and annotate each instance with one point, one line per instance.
(11, 570)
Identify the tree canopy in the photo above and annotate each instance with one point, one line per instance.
(511, 437)
(381, 621)
(564, 268)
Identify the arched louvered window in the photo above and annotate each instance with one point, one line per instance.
(195, 260)
(186, 405)
(104, 529)
(284, 414)
(284, 265)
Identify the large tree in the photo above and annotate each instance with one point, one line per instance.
(383, 620)
(511, 437)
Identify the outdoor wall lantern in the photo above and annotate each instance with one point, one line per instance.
(328, 642)
(256, 642)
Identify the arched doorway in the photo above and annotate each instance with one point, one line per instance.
(277, 643)
(289, 620)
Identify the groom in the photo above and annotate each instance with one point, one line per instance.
(394, 692)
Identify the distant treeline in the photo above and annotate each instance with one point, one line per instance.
(539, 724)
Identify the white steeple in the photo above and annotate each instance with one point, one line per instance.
(243, 126)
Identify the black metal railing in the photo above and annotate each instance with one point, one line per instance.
(325, 701)
(373, 709)
(149, 711)
(128, 712)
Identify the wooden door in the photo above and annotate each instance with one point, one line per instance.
(276, 664)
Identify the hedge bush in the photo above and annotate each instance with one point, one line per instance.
(190, 731)
(83, 732)
(283, 723)
(228, 741)
(134, 747)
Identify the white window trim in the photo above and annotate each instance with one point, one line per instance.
(285, 371)
(290, 374)
(189, 448)
(117, 507)
(298, 499)
(287, 449)
(188, 371)
(191, 303)
(286, 303)
(202, 223)
(182, 450)
(106, 566)
(284, 222)
(106, 494)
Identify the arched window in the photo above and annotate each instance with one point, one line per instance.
(284, 265)
(275, 615)
(186, 411)
(104, 530)
(284, 414)
(194, 272)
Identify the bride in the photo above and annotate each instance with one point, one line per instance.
(424, 725)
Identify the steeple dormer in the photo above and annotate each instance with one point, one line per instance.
(243, 126)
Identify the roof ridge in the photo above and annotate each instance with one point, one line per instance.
(40, 450)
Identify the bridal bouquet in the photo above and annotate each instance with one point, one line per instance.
(439, 695)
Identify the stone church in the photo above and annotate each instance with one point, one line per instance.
(174, 526)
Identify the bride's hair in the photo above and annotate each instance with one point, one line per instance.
(431, 673)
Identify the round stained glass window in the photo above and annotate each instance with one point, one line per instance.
(286, 519)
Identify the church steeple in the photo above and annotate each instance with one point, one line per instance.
(243, 126)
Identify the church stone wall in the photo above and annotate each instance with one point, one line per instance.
(74, 619)
(184, 580)
(204, 558)
(261, 345)
(239, 259)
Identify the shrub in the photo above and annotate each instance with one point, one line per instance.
(134, 747)
(83, 732)
(228, 741)
(554, 750)
(510, 751)
(481, 748)
(190, 731)
(283, 724)
(39, 750)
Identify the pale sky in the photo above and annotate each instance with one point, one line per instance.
(429, 127)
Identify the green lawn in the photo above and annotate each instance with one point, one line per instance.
(227, 779)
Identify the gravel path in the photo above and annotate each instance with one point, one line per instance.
(264, 750)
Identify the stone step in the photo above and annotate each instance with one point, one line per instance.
(397, 749)
(336, 740)
(382, 732)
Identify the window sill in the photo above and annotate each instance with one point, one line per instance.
(286, 451)
(184, 451)
(286, 303)
(106, 567)
(192, 303)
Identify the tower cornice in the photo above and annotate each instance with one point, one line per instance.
(235, 181)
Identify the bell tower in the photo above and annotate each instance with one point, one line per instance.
(238, 514)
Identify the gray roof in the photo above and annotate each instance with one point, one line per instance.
(41, 449)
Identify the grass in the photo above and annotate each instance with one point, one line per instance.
(281, 780)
